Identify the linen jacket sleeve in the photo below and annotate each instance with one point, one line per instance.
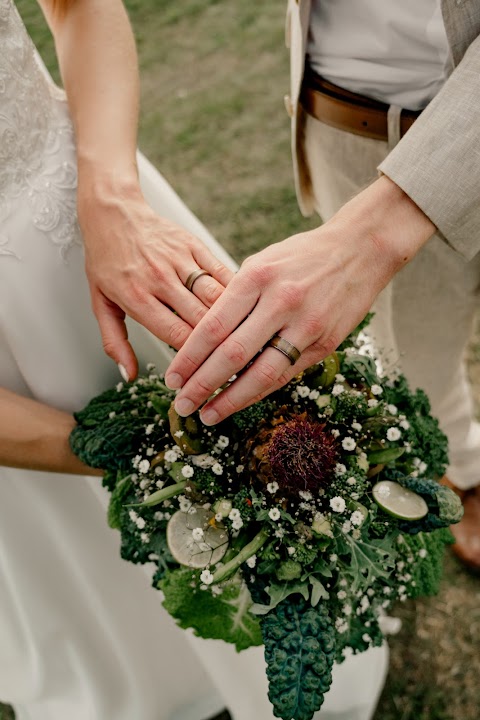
(437, 163)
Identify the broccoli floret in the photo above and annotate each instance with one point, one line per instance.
(248, 419)
(428, 549)
(299, 651)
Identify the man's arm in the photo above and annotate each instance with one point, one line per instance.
(35, 436)
(437, 163)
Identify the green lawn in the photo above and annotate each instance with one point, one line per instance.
(214, 74)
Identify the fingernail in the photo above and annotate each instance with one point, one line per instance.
(174, 381)
(123, 372)
(184, 407)
(209, 417)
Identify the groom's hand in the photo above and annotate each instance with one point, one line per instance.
(311, 289)
(137, 264)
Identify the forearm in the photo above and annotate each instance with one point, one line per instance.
(35, 436)
(98, 62)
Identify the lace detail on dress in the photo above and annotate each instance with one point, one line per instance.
(37, 148)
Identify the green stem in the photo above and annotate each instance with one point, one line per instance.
(247, 551)
(161, 495)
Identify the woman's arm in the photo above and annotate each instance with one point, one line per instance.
(136, 262)
(35, 436)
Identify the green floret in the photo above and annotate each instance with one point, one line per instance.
(249, 419)
(426, 571)
(424, 433)
(222, 617)
(299, 651)
(348, 406)
(110, 429)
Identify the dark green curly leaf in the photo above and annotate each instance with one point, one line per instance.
(299, 651)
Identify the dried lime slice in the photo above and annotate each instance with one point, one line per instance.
(195, 538)
(399, 501)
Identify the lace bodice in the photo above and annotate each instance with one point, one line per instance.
(37, 158)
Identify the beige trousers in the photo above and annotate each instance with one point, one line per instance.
(423, 319)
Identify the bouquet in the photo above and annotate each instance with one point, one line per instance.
(295, 523)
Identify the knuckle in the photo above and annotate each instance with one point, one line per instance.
(177, 334)
(264, 373)
(214, 328)
(198, 314)
(217, 268)
(109, 348)
(325, 346)
(291, 296)
(211, 292)
(235, 352)
(258, 274)
(226, 405)
(312, 326)
(203, 388)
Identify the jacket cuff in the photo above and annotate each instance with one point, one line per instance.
(437, 162)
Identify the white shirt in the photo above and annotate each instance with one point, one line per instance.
(395, 51)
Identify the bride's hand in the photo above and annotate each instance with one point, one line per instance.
(137, 264)
(311, 289)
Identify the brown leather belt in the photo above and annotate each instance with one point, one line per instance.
(348, 111)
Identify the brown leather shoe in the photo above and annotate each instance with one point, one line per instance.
(467, 531)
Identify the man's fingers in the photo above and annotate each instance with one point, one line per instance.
(253, 385)
(111, 320)
(229, 311)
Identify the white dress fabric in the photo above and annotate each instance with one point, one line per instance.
(83, 636)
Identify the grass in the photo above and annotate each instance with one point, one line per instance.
(213, 78)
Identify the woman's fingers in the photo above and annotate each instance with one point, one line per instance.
(111, 321)
(229, 311)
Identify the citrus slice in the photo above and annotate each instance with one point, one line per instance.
(399, 501)
(195, 538)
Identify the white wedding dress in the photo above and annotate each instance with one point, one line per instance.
(83, 636)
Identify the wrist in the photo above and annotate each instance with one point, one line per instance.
(102, 183)
(387, 217)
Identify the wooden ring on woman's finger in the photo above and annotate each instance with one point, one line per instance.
(189, 282)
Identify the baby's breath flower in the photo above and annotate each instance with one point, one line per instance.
(149, 429)
(291, 550)
(393, 434)
(252, 561)
(240, 468)
(352, 480)
(404, 424)
(145, 537)
(144, 466)
(340, 469)
(339, 378)
(206, 577)
(272, 487)
(197, 534)
(237, 524)
(341, 594)
(392, 409)
(333, 557)
(373, 402)
(346, 527)
(179, 433)
(337, 389)
(187, 471)
(314, 394)
(274, 514)
(112, 414)
(303, 391)
(356, 518)
(338, 504)
(223, 442)
(171, 456)
(349, 443)
(305, 495)
(422, 553)
(217, 468)
(234, 514)
(356, 426)
(376, 390)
